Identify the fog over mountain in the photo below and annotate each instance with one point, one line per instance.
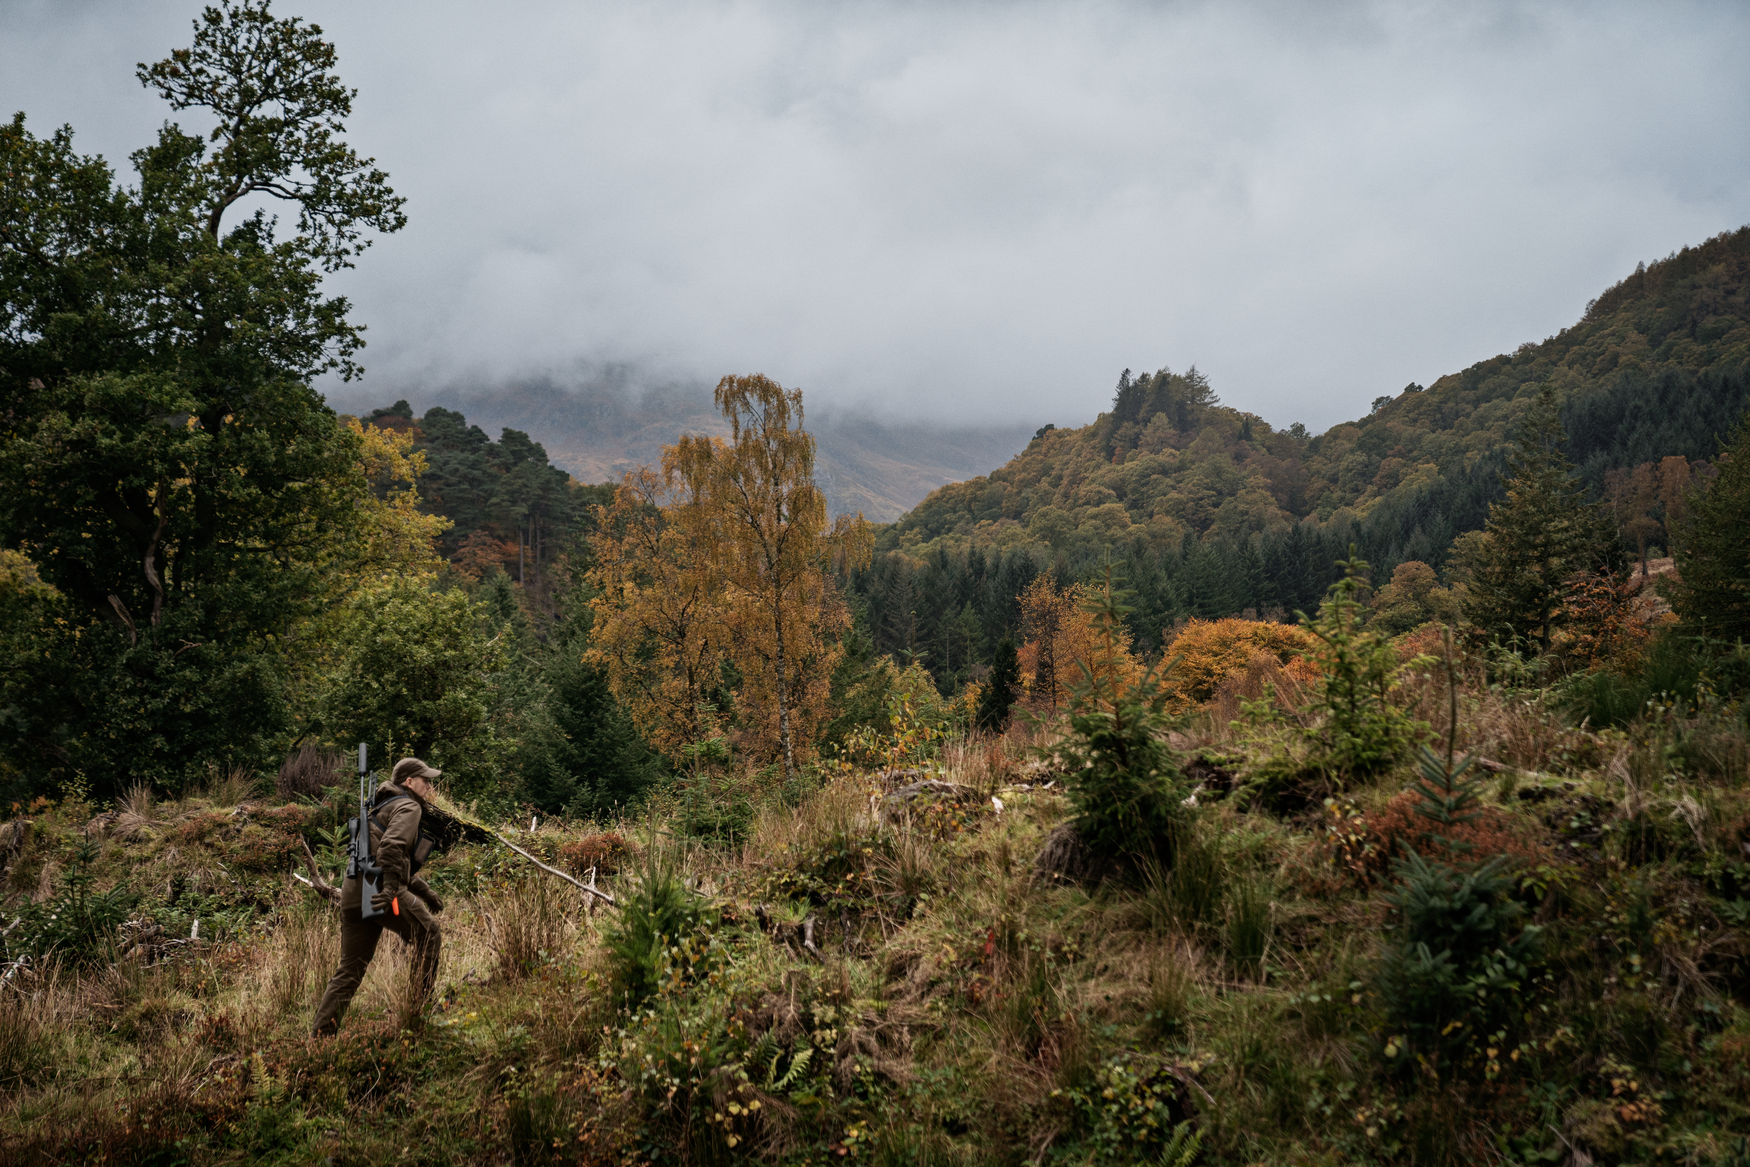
(975, 211)
(600, 423)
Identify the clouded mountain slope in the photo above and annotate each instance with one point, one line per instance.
(1656, 367)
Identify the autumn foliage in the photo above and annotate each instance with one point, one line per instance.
(1211, 652)
(660, 623)
(1064, 645)
(1365, 846)
(722, 559)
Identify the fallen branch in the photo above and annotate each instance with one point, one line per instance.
(1184, 1076)
(589, 887)
(1495, 767)
(808, 940)
(328, 890)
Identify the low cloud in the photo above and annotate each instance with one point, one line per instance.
(985, 211)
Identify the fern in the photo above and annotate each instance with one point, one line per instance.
(764, 1050)
(1181, 1150)
(798, 1069)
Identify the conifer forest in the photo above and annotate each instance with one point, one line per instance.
(1191, 789)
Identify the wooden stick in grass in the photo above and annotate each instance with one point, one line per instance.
(588, 887)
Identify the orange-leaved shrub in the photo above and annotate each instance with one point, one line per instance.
(605, 852)
(1211, 651)
(1364, 846)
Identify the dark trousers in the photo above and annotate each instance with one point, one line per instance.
(358, 943)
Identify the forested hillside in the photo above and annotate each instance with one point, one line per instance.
(1212, 511)
(508, 506)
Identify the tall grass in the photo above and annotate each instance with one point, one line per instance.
(1250, 926)
(532, 921)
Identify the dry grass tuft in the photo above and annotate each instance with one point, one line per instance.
(134, 813)
(230, 788)
(531, 922)
(304, 951)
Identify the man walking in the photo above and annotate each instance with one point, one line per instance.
(406, 903)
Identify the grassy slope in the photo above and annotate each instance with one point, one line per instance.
(964, 1012)
(1688, 314)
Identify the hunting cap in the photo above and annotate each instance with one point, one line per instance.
(413, 768)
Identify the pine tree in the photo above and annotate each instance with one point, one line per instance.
(586, 756)
(1712, 591)
(1124, 784)
(1365, 726)
(1544, 533)
(1001, 689)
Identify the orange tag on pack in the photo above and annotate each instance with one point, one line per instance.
(396, 905)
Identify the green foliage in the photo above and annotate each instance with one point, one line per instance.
(418, 673)
(1189, 894)
(583, 756)
(837, 872)
(1452, 968)
(1001, 689)
(1363, 728)
(913, 722)
(660, 936)
(1678, 669)
(166, 463)
(537, 1126)
(1124, 786)
(79, 923)
(1453, 965)
(1249, 926)
(1123, 1114)
(1712, 549)
(509, 504)
(1538, 538)
(1410, 600)
(1447, 797)
(1182, 1149)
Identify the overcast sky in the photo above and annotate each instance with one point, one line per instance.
(986, 210)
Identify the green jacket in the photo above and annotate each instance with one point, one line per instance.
(396, 842)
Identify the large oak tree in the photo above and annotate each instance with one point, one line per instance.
(164, 460)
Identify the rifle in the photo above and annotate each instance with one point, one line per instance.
(361, 862)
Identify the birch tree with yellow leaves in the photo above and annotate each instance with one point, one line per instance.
(660, 625)
(727, 558)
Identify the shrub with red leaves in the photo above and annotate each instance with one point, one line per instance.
(1365, 846)
(605, 852)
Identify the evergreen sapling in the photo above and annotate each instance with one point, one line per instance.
(1453, 965)
(1122, 781)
